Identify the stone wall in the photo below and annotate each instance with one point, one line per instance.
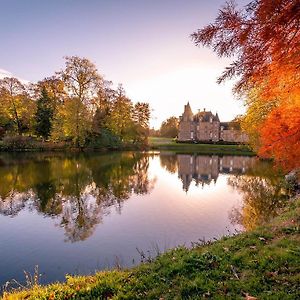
(233, 135)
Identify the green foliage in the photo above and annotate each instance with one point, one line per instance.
(263, 263)
(104, 139)
(44, 115)
(169, 128)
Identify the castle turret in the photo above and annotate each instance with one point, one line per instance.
(186, 125)
(187, 114)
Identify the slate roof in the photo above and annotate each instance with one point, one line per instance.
(205, 116)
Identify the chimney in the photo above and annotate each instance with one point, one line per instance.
(204, 109)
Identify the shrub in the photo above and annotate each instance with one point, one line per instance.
(18, 142)
(106, 139)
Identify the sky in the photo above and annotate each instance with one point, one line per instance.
(143, 44)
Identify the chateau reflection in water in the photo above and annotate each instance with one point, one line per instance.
(206, 168)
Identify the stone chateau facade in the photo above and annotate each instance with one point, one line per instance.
(205, 126)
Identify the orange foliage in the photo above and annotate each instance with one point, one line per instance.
(280, 136)
(280, 131)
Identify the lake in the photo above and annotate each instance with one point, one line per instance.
(78, 213)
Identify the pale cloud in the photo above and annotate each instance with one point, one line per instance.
(5, 73)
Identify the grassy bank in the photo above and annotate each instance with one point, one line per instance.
(169, 144)
(263, 264)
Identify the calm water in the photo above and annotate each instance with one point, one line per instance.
(80, 213)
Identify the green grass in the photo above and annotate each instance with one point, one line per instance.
(159, 141)
(170, 145)
(263, 263)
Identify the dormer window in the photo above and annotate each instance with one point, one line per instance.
(210, 119)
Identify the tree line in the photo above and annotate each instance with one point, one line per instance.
(76, 105)
(168, 128)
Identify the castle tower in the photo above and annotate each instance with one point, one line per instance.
(187, 114)
(186, 125)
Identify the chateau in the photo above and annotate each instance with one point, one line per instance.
(205, 126)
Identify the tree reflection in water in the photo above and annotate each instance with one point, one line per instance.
(169, 162)
(263, 193)
(77, 190)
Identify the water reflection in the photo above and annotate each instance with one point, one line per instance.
(76, 190)
(204, 169)
(259, 183)
(79, 190)
(263, 192)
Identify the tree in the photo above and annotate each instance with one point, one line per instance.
(264, 39)
(82, 81)
(169, 128)
(141, 118)
(120, 121)
(44, 115)
(11, 97)
(103, 104)
(55, 88)
(16, 107)
(280, 136)
(73, 120)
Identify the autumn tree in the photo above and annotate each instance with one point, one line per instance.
(141, 118)
(82, 81)
(264, 40)
(102, 105)
(55, 89)
(16, 104)
(169, 128)
(120, 121)
(72, 121)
